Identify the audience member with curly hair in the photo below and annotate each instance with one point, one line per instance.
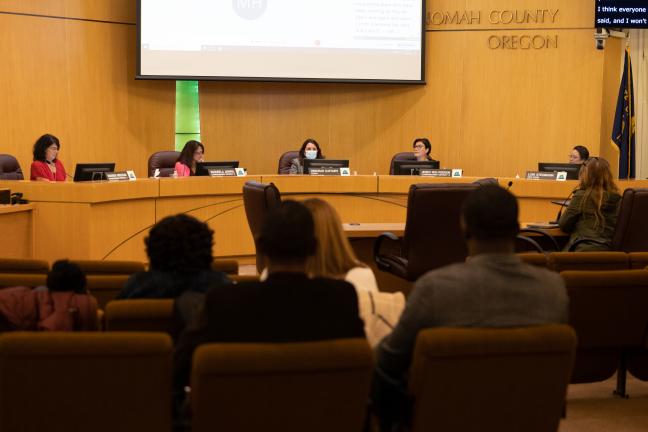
(180, 258)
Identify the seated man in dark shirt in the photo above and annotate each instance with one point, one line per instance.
(493, 288)
(287, 307)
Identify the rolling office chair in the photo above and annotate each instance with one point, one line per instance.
(259, 199)
(164, 161)
(10, 168)
(433, 236)
(285, 161)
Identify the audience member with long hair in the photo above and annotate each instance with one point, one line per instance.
(334, 258)
(591, 216)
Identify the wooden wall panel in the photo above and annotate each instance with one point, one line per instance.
(494, 14)
(75, 79)
(490, 112)
(102, 10)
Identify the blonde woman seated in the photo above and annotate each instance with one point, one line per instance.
(334, 258)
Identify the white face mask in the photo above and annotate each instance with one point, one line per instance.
(310, 154)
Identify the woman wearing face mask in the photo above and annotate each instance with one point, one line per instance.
(309, 150)
(46, 166)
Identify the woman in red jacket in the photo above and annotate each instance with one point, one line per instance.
(46, 166)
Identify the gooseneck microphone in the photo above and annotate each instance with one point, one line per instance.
(562, 206)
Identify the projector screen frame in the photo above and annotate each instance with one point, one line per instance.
(140, 76)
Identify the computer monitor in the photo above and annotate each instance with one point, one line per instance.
(324, 163)
(571, 169)
(202, 168)
(92, 171)
(412, 167)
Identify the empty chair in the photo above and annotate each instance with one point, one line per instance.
(105, 287)
(285, 161)
(561, 261)
(140, 315)
(638, 260)
(18, 265)
(608, 311)
(101, 382)
(433, 236)
(536, 259)
(470, 379)
(402, 156)
(10, 168)
(100, 267)
(311, 386)
(259, 199)
(164, 161)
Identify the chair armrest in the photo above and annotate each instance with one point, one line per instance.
(542, 233)
(376, 249)
(532, 242)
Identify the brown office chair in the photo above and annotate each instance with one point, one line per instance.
(285, 161)
(101, 382)
(608, 311)
(164, 161)
(10, 168)
(19, 265)
(155, 315)
(476, 379)
(433, 236)
(631, 232)
(561, 261)
(288, 387)
(100, 267)
(259, 199)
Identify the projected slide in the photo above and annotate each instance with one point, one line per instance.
(282, 39)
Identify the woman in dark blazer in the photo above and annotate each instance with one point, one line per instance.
(310, 149)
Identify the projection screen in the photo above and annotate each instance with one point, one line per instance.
(293, 40)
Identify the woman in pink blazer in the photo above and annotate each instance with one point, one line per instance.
(192, 152)
(46, 166)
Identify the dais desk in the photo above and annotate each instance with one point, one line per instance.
(102, 220)
(17, 227)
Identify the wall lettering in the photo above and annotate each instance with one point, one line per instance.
(505, 18)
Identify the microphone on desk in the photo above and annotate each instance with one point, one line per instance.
(510, 183)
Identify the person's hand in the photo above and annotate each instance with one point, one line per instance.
(42, 179)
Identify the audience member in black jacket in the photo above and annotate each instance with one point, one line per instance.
(287, 307)
(180, 255)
